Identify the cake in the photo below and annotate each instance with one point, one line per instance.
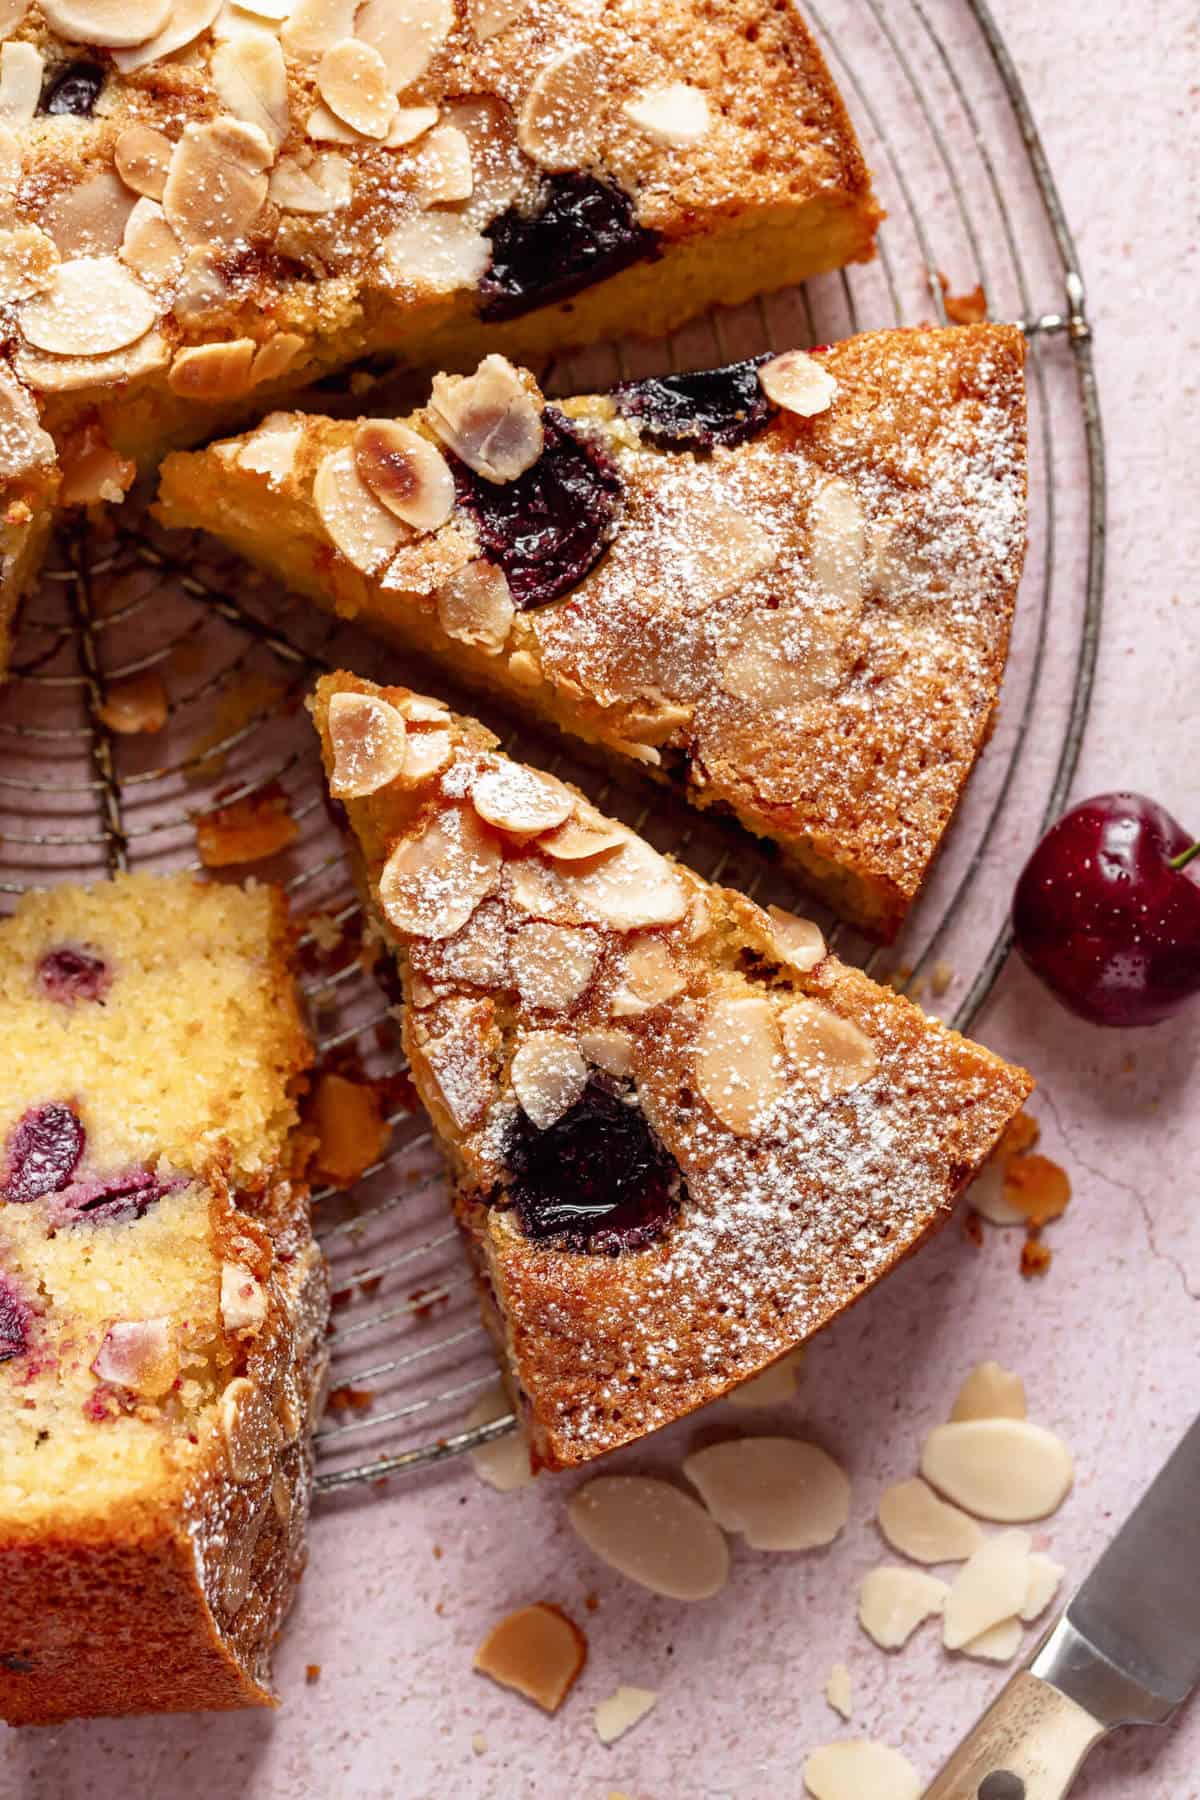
(162, 1303)
(209, 204)
(785, 585)
(683, 1136)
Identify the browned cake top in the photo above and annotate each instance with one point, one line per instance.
(686, 1135)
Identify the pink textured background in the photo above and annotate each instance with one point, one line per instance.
(404, 1582)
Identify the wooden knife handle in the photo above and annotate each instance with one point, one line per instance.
(1028, 1746)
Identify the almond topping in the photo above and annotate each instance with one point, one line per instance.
(142, 157)
(738, 1062)
(28, 260)
(476, 606)
(407, 38)
(584, 835)
(217, 181)
(20, 82)
(989, 1588)
(370, 743)
(443, 168)
(139, 1354)
(491, 419)
(649, 978)
(352, 79)
(243, 1298)
(622, 1711)
(113, 23)
(149, 246)
(185, 21)
(405, 472)
(799, 943)
(798, 383)
(316, 25)
(320, 186)
(363, 530)
(249, 78)
(440, 251)
(432, 883)
(490, 17)
(12, 12)
(892, 1602)
(324, 127)
(247, 1428)
(1002, 1469)
(860, 1769)
(274, 359)
(918, 1524)
(428, 754)
(784, 657)
(94, 306)
(89, 219)
(990, 1392)
(271, 450)
(457, 1059)
(503, 1462)
(838, 549)
(558, 122)
(213, 371)
(830, 1053)
(609, 1050)
(537, 1651)
(652, 1533)
(23, 443)
(548, 1076)
(676, 115)
(780, 1493)
(68, 374)
(410, 123)
(552, 964)
(521, 801)
(628, 887)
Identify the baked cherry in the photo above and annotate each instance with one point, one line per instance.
(110, 1199)
(74, 90)
(14, 1322)
(42, 1152)
(581, 230)
(1107, 911)
(67, 975)
(548, 527)
(712, 406)
(597, 1179)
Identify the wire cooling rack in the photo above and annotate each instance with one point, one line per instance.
(972, 205)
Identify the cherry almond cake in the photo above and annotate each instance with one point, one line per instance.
(786, 584)
(205, 203)
(162, 1302)
(683, 1135)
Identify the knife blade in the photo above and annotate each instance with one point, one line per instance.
(1126, 1651)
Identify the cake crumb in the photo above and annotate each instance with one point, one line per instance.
(247, 830)
(1036, 1257)
(537, 1651)
(479, 1743)
(325, 931)
(1039, 1189)
(351, 1130)
(591, 1600)
(350, 1399)
(838, 1691)
(963, 309)
(940, 977)
(135, 704)
(312, 1673)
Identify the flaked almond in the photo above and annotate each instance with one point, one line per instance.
(558, 123)
(860, 1769)
(439, 251)
(352, 79)
(365, 532)
(217, 181)
(489, 18)
(783, 657)
(370, 744)
(989, 1588)
(139, 1354)
(838, 1692)
(990, 1392)
(585, 834)
(628, 887)
(69, 374)
(1002, 1469)
(407, 38)
(726, 550)
(272, 449)
(249, 78)
(243, 1298)
(324, 127)
(830, 1054)
(837, 549)
(275, 358)
(780, 1493)
(410, 123)
(893, 1601)
(491, 419)
(799, 943)
(20, 82)
(10, 162)
(548, 1075)
(520, 801)
(1041, 1585)
(552, 964)
(649, 977)
(985, 1195)
(536, 1651)
(28, 260)
(503, 1462)
(23, 443)
(12, 12)
(676, 115)
(432, 883)
(213, 371)
(428, 754)
(621, 1712)
(184, 24)
(351, 1130)
(918, 1524)
(89, 218)
(797, 382)
(135, 703)
(149, 246)
(999, 1643)
(319, 186)
(476, 606)
(609, 1050)
(93, 306)
(457, 1058)
(203, 287)
(652, 1533)
(443, 172)
(314, 26)
(405, 472)
(774, 1387)
(1036, 1188)
(739, 1061)
(142, 157)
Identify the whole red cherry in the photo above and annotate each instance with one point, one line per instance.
(1107, 911)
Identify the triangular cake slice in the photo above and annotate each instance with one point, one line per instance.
(684, 1137)
(787, 585)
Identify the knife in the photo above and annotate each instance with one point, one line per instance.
(1126, 1651)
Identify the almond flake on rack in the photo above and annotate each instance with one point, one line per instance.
(113, 23)
(363, 530)
(149, 246)
(552, 964)
(432, 883)
(799, 943)
(676, 115)
(249, 77)
(322, 185)
(831, 1054)
(838, 548)
(798, 383)
(893, 1601)
(217, 181)
(352, 79)
(648, 978)
(519, 801)
(503, 1462)
(94, 306)
(628, 887)
(739, 1061)
(537, 1651)
(28, 259)
(439, 251)
(989, 1392)
(444, 172)
(860, 1769)
(918, 1524)
(405, 472)
(491, 420)
(407, 38)
(548, 1076)
(489, 18)
(989, 1588)
(622, 1711)
(186, 21)
(20, 82)
(1007, 1470)
(476, 606)
(23, 444)
(780, 1493)
(213, 371)
(370, 744)
(558, 122)
(313, 26)
(142, 156)
(652, 1533)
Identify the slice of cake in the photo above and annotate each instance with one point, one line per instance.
(162, 1303)
(785, 585)
(683, 1136)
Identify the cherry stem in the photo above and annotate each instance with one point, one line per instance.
(1185, 857)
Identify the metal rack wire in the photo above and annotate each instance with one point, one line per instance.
(961, 168)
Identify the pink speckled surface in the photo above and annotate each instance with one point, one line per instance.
(404, 1582)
